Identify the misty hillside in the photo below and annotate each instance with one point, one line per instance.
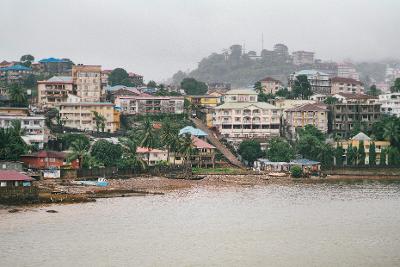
(243, 69)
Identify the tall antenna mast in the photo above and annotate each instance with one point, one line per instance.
(262, 41)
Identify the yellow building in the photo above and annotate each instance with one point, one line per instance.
(355, 142)
(80, 115)
(204, 100)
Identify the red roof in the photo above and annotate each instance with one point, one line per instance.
(310, 107)
(345, 80)
(198, 143)
(13, 176)
(47, 154)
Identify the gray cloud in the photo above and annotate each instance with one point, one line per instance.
(158, 37)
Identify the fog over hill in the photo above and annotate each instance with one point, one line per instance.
(243, 68)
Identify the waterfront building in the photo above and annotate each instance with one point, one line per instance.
(308, 114)
(204, 100)
(12, 179)
(48, 159)
(390, 104)
(346, 85)
(56, 65)
(204, 155)
(270, 85)
(303, 57)
(87, 82)
(242, 117)
(351, 109)
(355, 142)
(152, 156)
(319, 81)
(11, 165)
(149, 104)
(80, 115)
(54, 91)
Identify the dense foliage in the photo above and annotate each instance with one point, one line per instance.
(193, 87)
(279, 150)
(250, 150)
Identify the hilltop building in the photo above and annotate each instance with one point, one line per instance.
(56, 65)
(347, 70)
(303, 57)
(149, 104)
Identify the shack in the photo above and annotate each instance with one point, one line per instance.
(16, 187)
(266, 165)
(308, 166)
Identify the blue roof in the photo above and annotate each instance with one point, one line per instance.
(304, 162)
(192, 131)
(52, 60)
(15, 67)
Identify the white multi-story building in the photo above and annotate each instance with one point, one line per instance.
(34, 127)
(390, 104)
(149, 104)
(87, 82)
(319, 81)
(242, 117)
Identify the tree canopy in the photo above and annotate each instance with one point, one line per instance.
(396, 87)
(302, 87)
(107, 153)
(119, 76)
(193, 87)
(250, 150)
(279, 150)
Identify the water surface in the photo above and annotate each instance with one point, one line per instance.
(302, 225)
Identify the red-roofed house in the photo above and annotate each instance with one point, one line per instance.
(11, 178)
(346, 85)
(47, 159)
(203, 155)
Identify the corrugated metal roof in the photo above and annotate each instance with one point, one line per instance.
(192, 131)
(11, 175)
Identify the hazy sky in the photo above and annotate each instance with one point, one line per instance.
(158, 37)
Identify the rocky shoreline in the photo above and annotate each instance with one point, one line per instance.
(66, 193)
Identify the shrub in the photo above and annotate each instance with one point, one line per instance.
(296, 171)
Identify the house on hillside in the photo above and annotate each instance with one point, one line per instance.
(47, 159)
(152, 156)
(193, 132)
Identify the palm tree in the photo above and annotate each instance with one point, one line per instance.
(17, 95)
(129, 153)
(80, 149)
(391, 132)
(147, 138)
(168, 135)
(99, 120)
(186, 147)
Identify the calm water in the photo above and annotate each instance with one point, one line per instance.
(305, 225)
